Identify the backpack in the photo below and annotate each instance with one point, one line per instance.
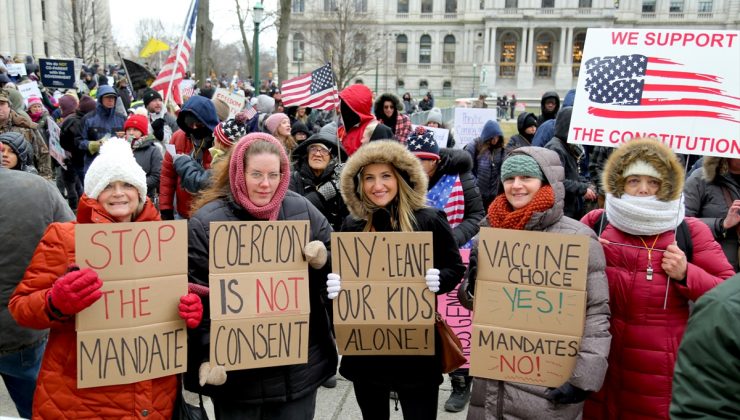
(683, 235)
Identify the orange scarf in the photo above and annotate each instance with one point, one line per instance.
(502, 215)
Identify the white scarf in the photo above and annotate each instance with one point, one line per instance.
(644, 215)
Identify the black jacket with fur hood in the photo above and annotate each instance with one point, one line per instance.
(400, 372)
(708, 194)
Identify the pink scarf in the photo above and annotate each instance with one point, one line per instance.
(239, 183)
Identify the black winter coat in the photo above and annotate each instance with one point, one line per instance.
(575, 185)
(149, 157)
(409, 372)
(458, 162)
(271, 384)
(70, 129)
(304, 182)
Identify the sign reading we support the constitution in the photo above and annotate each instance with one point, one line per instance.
(384, 306)
(681, 87)
(530, 306)
(133, 332)
(258, 294)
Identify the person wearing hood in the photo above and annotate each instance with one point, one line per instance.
(98, 125)
(526, 125)
(299, 131)
(147, 155)
(355, 104)
(712, 194)
(70, 130)
(197, 120)
(315, 175)
(16, 152)
(409, 104)
(384, 187)
(389, 111)
(652, 280)
(11, 121)
(253, 186)
(531, 199)
(549, 107)
(487, 152)
(577, 187)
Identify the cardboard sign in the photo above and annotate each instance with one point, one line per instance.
(16, 69)
(384, 306)
(133, 332)
(469, 123)
(259, 295)
(440, 134)
(58, 73)
(29, 89)
(55, 148)
(459, 318)
(679, 86)
(530, 285)
(234, 101)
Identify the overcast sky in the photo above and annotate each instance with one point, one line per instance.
(126, 14)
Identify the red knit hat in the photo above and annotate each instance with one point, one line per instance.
(138, 122)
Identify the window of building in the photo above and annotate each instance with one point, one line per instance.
(511, 4)
(447, 88)
(543, 55)
(448, 50)
(360, 6)
(548, 4)
(450, 6)
(403, 6)
(482, 4)
(330, 5)
(648, 6)
(402, 48)
(359, 53)
(400, 83)
(299, 6)
(43, 13)
(298, 47)
(423, 85)
(425, 49)
(676, 6)
(578, 41)
(427, 6)
(705, 6)
(584, 4)
(359, 82)
(507, 57)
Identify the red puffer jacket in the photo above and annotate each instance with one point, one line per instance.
(57, 395)
(645, 337)
(169, 182)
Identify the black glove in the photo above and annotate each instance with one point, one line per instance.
(158, 128)
(168, 214)
(328, 190)
(566, 394)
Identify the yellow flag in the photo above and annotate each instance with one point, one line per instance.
(153, 46)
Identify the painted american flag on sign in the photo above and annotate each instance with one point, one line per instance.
(314, 90)
(638, 86)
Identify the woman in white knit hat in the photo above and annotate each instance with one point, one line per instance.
(653, 274)
(54, 290)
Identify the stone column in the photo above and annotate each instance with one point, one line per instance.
(563, 73)
(37, 29)
(525, 73)
(22, 33)
(5, 39)
(55, 29)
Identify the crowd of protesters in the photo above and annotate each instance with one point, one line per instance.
(129, 157)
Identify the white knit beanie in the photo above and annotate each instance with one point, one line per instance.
(114, 163)
(641, 167)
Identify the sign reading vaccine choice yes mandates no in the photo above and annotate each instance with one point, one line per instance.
(258, 294)
(133, 332)
(384, 306)
(679, 86)
(530, 306)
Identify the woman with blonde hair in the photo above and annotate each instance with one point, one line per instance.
(278, 124)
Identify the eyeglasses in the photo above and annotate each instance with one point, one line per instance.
(272, 177)
(321, 151)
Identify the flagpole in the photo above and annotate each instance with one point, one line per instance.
(177, 56)
(125, 69)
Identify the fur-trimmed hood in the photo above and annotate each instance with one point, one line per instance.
(655, 153)
(712, 167)
(390, 152)
(378, 106)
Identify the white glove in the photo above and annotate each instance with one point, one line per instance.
(333, 285)
(212, 375)
(432, 279)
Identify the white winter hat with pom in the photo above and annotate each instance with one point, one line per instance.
(114, 163)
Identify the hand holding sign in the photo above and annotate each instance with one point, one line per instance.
(315, 254)
(432, 279)
(211, 375)
(191, 309)
(75, 291)
(333, 285)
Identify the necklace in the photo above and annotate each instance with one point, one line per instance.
(649, 270)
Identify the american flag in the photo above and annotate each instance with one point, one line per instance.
(637, 86)
(448, 195)
(250, 111)
(170, 67)
(314, 90)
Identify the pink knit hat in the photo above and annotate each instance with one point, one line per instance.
(274, 120)
(34, 100)
(239, 183)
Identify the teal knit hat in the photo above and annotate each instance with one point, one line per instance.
(522, 165)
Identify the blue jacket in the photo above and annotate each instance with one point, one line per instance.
(98, 124)
(487, 161)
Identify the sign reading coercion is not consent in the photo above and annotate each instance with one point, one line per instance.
(133, 332)
(384, 306)
(530, 306)
(259, 294)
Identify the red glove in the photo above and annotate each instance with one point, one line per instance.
(75, 291)
(191, 309)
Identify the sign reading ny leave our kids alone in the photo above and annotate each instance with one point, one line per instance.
(530, 306)
(679, 86)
